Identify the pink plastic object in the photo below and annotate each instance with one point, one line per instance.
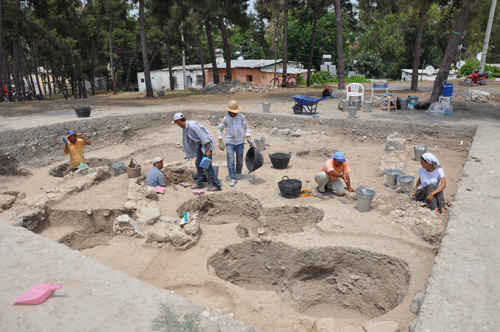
(36, 294)
(160, 189)
(198, 192)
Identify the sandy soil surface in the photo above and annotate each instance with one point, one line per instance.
(344, 268)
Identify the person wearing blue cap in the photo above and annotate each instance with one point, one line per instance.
(73, 145)
(331, 172)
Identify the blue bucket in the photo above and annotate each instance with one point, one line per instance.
(447, 89)
(205, 162)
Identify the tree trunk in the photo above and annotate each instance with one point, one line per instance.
(340, 46)
(418, 43)
(285, 41)
(32, 86)
(445, 65)
(227, 51)
(201, 61)
(169, 62)
(215, 70)
(17, 67)
(145, 62)
(83, 87)
(35, 69)
(8, 74)
(45, 64)
(2, 98)
(128, 72)
(111, 60)
(311, 53)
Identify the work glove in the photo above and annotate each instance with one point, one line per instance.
(222, 146)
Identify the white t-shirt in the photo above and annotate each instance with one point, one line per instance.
(427, 178)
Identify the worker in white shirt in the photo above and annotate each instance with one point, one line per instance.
(236, 129)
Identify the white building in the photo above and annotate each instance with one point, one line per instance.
(422, 76)
(160, 78)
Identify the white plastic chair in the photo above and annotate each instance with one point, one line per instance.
(353, 90)
(379, 96)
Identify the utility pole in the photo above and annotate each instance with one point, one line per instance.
(183, 58)
(487, 36)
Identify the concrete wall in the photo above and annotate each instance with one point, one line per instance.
(242, 74)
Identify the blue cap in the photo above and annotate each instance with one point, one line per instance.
(71, 132)
(339, 156)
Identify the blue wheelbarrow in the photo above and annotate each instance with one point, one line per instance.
(306, 104)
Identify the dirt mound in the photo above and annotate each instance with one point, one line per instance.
(10, 166)
(368, 282)
(63, 169)
(235, 204)
(289, 219)
(236, 86)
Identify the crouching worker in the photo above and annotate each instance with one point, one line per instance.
(330, 174)
(155, 176)
(431, 183)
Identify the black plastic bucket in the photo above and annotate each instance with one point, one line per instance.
(280, 160)
(254, 159)
(290, 188)
(82, 112)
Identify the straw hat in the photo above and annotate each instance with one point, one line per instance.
(233, 107)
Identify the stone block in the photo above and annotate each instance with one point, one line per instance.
(160, 233)
(397, 144)
(126, 225)
(193, 228)
(480, 96)
(6, 201)
(149, 216)
(29, 219)
(180, 240)
(416, 302)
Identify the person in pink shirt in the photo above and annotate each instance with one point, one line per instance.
(331, 172)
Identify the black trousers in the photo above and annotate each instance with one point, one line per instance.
(436, 202)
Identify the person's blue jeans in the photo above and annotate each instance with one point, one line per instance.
(231, 149)
(210, 171)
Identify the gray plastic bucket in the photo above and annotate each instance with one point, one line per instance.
(357, 104)
(119, 168)
(392, 177)
(266, 107)
(419, 151)
(406, 183)
(345, 105)
(352, 112)
(209, 180)
(364, 199)
(213, 120)
(367, 105)
(404, 103)
(259, 143)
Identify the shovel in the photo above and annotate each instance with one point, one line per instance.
(36, 294)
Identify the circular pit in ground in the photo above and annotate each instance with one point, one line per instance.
(367, 282)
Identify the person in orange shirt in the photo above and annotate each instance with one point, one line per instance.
(330, 174)
(74, 148)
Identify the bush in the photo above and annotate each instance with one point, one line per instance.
(370, 63)
(322, 77)
(468, 67)
(301, 80)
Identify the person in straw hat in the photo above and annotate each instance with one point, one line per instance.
(236, 129)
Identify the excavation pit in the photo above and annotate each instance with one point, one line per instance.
(63, 169)
(324, 245)
(368, 282)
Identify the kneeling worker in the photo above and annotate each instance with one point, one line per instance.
(155, 176)
(74, 147)
(330, 174)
